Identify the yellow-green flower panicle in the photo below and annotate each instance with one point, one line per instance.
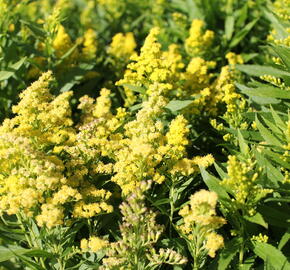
(242, 181)
(139, 234)
(198, 226)
(199, 39)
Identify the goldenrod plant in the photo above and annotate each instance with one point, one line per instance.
(144, 135)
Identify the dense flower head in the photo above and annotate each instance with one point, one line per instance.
(200, 220)
(122, 46)
(62, 43)
(151, 67)
(177, 136)
(138, 157)
(32, 145)
(89, 44)
(243, 181)
(199, 40)
(93, 244)
(41, 115)
(282, 9)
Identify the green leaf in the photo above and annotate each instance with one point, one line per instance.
(135, 107)
(18, 64)
(243, 146)
(39, 253)
(135, 88)
(257, 219)
(276, 23)
(68, 86)
(285, 238)
(193, 10)
(267, 135)
(67, 54)
(283, 199)
(35, 29)
(242, 15)
(5, 75)
(266, 91)
(257, 70)
(241, 34)
(248, 263)
(6, 253)
(278, 121)
(214, 185)
(227, 254)
(184, 185)
(177, 105)
(248, 135)
(273, 175)
(220, 171)
(271, 254)
(284, 53)
(229, 26)
(274, 128)
(32, 265)
(161, 202)
(277, 158)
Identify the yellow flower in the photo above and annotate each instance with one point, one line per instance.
(122, 46)
(200, 222)
(89, 44)
(234, 59)
(213, 243)
(199, 40)
(176, 136)
(95, 243)
(241, 179)
(260, 238)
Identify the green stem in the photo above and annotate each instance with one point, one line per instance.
(172, 207)
(29, 237)
(242, 249)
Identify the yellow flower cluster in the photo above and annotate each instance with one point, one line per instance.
(275, 81)
(67, 52)
(187, 166)
(224, 91)
(177, 136)
(234, 59)
(93, 244)
(147, 152)
(138, 157)
(62, 43)
(282, 9)
(199, 40)
(83, 209)
(284, 40)
(200, 222)
(122, 46)
(89, 44)
(151, 67)
(260, 238)
(41, 158)
(42, 116)
(242, 181)
(179, 19)
(167, 69)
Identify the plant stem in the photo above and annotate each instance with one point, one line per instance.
(172, 208)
